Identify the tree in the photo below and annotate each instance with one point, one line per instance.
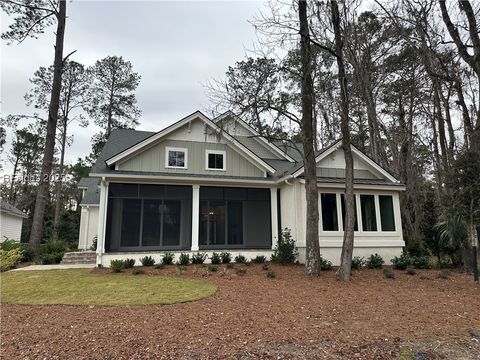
(73, 97)
(32, 18)
(112, 99)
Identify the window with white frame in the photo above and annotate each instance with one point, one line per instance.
(176, 158)
(387, 217)
(329, 211)
(215, 160)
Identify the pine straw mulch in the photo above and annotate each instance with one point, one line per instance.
(253, 317)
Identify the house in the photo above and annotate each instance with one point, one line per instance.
(209, 185)
(11, 221)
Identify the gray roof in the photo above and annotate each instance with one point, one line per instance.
(92, 193)
(12, 210)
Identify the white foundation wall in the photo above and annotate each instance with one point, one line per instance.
(88, 227)
(293, 216)
(105, 258)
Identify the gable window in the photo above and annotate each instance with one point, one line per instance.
(329, 212)
(215, 160)
(176, 158)
(369, 219)
(386, 212)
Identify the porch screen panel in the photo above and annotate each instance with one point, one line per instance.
(171, 222)
(329, 212)
(152, 222)
(386, 212)
(369, 219)
(130, 229)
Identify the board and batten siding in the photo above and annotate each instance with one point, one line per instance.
(10, 227)
(153, 159)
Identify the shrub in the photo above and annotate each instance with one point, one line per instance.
(147, 261)
(93, 247)
(358, 262)
(444, 274)
(199, 258)
(53, 246)
(422, 262)
(265, 267)
(129, 263)
(10, 258)
(402, 262)
(212, 267)
(411, 271)
(240, 259)
(325, 264)
(181, 269)
(226, 257)
(216, 258)
(51, 258)
(184, 259)
(241, 271)
(285, 251)
(27, 252)
(271, 275)
(389, 274)
(230, 265)
(260, 259)
(117, 265)
(168, 258)
(375, 261)
(138, 272)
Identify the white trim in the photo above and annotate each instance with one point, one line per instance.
(274, 215)
(216, 152)
(87, 205)
(185, 153)
(195, 217)
(180, 123)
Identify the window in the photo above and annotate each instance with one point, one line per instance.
(329, 212)
(386, 212)
(343, 211)
(367, 205)
(175, 158)
(215, 160)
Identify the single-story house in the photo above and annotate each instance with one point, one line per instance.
(11, 221)
(209, 185)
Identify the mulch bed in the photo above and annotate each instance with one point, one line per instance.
(251, 317)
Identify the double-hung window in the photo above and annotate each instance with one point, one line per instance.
(176, 158)
(215, 160)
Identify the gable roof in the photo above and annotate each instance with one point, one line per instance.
(162, 133)
(12, 210)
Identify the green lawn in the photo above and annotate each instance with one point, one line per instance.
(80, 287)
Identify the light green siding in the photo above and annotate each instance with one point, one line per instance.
(340, 173)
(153, 159)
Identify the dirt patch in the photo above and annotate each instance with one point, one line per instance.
(251, 316)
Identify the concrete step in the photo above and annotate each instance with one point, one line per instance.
(79, 257)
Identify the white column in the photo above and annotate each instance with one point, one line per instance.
(102, 218)
(274, 216)
(195, 216)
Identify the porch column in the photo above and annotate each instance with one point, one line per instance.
(274, 216)
(195, 216)
(102, 218)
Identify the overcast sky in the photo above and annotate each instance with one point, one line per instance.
(175, 46)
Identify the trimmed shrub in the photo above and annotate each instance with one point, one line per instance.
(265, 267)
(241, 271)
(138, 272)
(129, 263)
(402, 262)
(147, 261)
(168, 258)
(199, 258)
(271, 275)
(411, 271)
(10, 258)
(375, 261)
(260, 259)
(358, 262)
(51, 258)
(389, 274)
(226, 257)
(240, 259)
(215, 258)
(212, 267)
(325, 264)
(117, 265)
(285, 251)
(422, 262)
(184, 259)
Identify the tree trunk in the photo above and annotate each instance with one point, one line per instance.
(312, 255)
(58, 189)
(44, 181)
(345, 270)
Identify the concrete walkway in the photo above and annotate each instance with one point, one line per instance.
(55, 267)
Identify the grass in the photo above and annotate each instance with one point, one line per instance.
(80, 287)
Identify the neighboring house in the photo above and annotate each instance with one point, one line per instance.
(11, 221)
(216, 185)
